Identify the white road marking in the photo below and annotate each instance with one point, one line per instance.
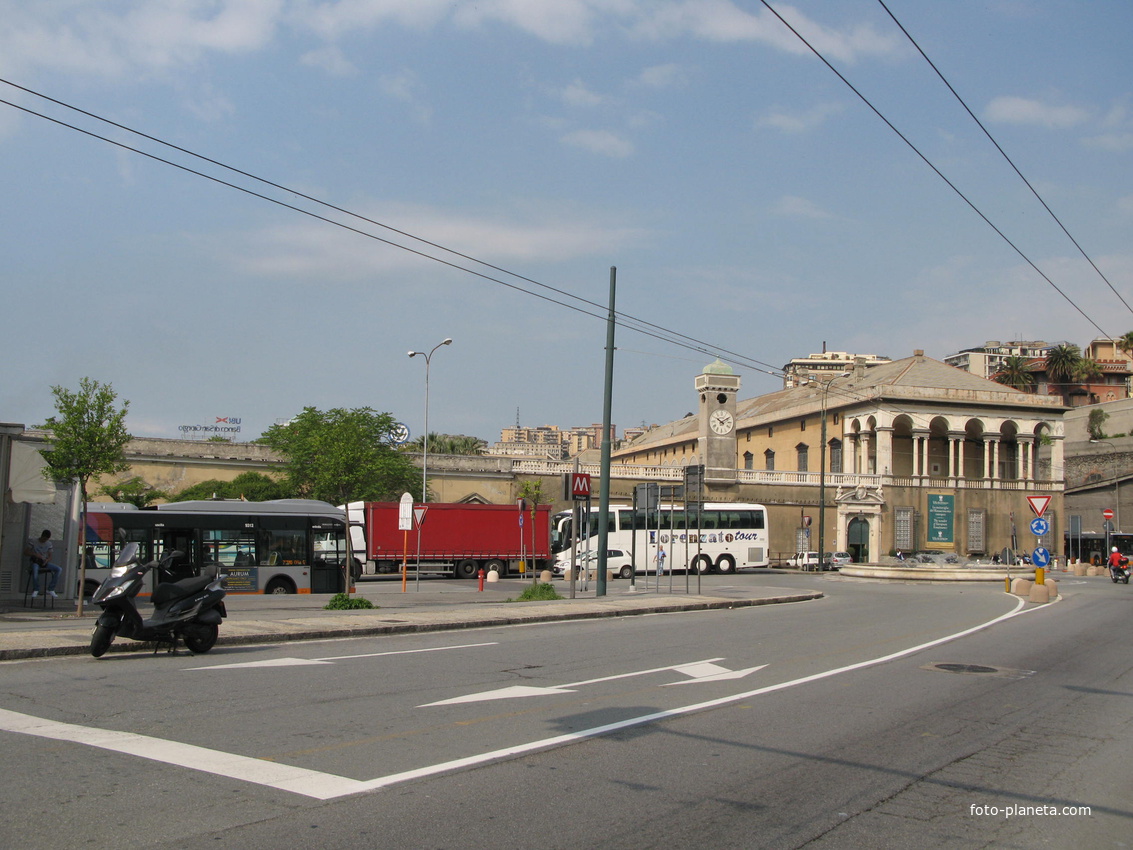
(700, 671)
(326, 786)
(330, 659)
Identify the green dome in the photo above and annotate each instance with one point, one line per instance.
(718, 368)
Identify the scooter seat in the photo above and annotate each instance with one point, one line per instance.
(170, 590)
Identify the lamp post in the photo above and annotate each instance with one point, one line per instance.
(425, 442)
(822, 471)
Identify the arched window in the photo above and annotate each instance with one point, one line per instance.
(749, 460)
(769, 460)
(802, 451)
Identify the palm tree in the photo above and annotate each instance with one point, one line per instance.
(1090, 370)
(1062, 363)
(1013, 372)
(1125, 343)
(448, 444)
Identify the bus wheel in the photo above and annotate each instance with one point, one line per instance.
(279, 585)
(726, 564)
(466, 568)
(89, 587)
(495, 564)
(702, 564)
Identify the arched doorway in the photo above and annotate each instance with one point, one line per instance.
(857, 540)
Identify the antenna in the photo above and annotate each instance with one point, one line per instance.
(517, 419)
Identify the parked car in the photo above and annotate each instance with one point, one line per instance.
(804, 560)
(618, 562)
(837, 559)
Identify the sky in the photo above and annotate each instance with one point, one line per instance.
(754, 206)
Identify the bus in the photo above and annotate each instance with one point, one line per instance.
(282, 546)
(717, 537)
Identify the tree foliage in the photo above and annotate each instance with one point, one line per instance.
(252, 486)
(1013, 372)
(88, 434)
(1063, 363)
(134, 491)
(448, 444)
(344, 455)
(1095, 425)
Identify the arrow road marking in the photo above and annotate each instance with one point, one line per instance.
(699, 671)
(301, 662)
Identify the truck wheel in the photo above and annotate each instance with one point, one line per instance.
(467, 568)
(496, 564)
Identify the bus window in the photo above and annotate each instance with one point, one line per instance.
(285, 541)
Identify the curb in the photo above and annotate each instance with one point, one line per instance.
(433, 622)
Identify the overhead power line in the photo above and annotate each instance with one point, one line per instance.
(935, 170)
(1014, 167)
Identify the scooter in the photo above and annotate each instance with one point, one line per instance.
(1119, 574)
(190, 610)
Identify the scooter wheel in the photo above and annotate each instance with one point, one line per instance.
(200, 637)
(100, 640)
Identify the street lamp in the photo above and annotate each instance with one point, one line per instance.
(822, 471)
(425, 443)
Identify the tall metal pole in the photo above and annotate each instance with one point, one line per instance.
(607, 396)
(425, 444)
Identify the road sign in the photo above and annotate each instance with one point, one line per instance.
(580, 485)
(1107, 513)
(1039, 527)
(1040, 557)
(405, 513)
(400, 434)
(1039, 504)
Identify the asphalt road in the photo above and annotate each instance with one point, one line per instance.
(821, 724)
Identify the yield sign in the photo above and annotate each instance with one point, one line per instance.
(1039, 504)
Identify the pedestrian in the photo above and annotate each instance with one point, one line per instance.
(900, 556)
(40, 550)
(660, 560)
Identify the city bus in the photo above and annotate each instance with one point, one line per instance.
(713, 537)
(282, 546)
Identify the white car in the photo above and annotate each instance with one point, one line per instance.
(618, 562)
(803, 560)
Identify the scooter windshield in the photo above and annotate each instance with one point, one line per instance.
(127, 556)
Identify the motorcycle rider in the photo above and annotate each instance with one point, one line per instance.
(1117, 563)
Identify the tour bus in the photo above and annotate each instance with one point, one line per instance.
(282, 546)
(712, 537)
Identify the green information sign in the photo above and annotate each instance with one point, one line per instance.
(941, 513)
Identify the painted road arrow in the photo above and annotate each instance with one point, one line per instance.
(303, 662)
(697, 671)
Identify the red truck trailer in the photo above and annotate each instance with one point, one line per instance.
(459, 539)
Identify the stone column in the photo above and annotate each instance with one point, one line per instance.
(885, 450)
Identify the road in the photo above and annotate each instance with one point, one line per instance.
(825, 724)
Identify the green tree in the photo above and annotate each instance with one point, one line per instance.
(1090, 370)
(252, 486)
(1095, 425)
(1063, 363)
(88, 439)
(134, 491)
(1013, 372)
(1125, 343)
(344, 455)
(448, 444)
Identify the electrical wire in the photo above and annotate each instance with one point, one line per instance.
(1014, 167)
(935, 170)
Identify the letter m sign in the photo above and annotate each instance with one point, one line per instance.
(580, 485)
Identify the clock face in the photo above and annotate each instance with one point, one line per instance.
(721, 422)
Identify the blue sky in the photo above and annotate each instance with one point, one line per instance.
(747, 197)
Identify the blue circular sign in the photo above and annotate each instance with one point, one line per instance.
(1040, 557)
(1039, 527)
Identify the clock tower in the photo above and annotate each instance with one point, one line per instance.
(717, 387)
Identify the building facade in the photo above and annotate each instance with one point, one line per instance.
(916, 455)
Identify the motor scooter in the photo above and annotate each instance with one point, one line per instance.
(1120, 573)
(190, 610)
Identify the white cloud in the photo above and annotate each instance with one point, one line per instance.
(1021, 110)
(1113, 142)
(662, 77)
(577, 94)
(600, 142)
(792, 206)
(554, 21)
(331, 60)
(798, 122)
(322, 252)
(407, 87)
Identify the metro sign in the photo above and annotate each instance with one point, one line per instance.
(1039, 504)
(580, 485)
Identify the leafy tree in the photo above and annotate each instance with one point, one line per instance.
(88, 439)
(1125, 343)
(1013, 372)
(252, 486)
(1095, 425)
(134, 491)
(1063, 363)
(344, 455)
(448, 444)
(1090, 370)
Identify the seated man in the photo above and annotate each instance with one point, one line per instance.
(39, 550)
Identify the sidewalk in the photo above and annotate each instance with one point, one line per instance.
(434, 606)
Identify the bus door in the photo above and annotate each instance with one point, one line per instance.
(183, 540)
